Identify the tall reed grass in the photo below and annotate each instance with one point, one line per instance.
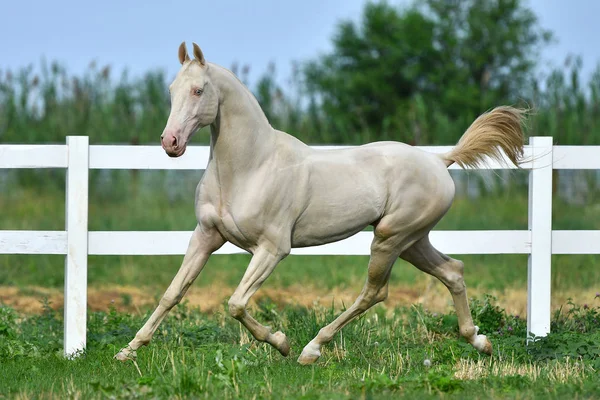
(44, 104)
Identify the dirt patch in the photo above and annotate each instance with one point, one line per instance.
(433, 297)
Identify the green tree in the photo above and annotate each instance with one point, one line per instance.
(401, 73)
(489, 48)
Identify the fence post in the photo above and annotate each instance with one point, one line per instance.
(540, 226)
(77, 245)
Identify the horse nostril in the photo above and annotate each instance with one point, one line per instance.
(174, 143)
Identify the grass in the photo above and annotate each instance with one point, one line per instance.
(381, 355)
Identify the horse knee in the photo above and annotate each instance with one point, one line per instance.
(170, 300)
(236, 308)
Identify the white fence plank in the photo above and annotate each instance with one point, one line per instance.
(33, 156)
(575, 242)
(175, 243)
(77, 245)
(540, 224)
(33, 242)
(138, 243)
(146, 157)
(482, 242)
(576, 157)
(196, 157)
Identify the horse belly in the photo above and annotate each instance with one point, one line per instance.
(332, 221)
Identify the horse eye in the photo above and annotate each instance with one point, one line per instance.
(198, 92)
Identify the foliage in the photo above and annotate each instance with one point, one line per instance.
(50, 104)
(575, 335)
(568, 107)
(490, 318)
(489, 51)
(412, 73)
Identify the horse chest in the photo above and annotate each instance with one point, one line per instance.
(243, 211)
(236, 234)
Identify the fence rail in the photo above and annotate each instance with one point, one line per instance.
(76, 242)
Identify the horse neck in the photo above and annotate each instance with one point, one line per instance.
(241, 136)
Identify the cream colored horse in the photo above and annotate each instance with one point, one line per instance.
(266, 192)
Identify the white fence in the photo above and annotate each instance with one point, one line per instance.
(76, 242)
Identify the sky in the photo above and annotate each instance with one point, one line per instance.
(144, 35)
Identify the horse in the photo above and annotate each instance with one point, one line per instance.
(267, 192)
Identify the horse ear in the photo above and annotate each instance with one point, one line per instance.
(183, 55)
(198, 54)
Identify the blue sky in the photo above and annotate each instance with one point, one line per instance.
(143, 35)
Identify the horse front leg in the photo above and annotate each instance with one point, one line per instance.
(262, 264)
(202, 244)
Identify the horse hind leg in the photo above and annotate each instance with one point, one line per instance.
(384, 252)
(450, 272)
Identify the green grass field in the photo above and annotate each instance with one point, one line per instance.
(381, 355)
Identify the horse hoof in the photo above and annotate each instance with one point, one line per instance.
(126, 354)
(307, 359)
(280, 342)
(309, 355)
(483, 344)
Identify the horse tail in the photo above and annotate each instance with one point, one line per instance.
(493, 131)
